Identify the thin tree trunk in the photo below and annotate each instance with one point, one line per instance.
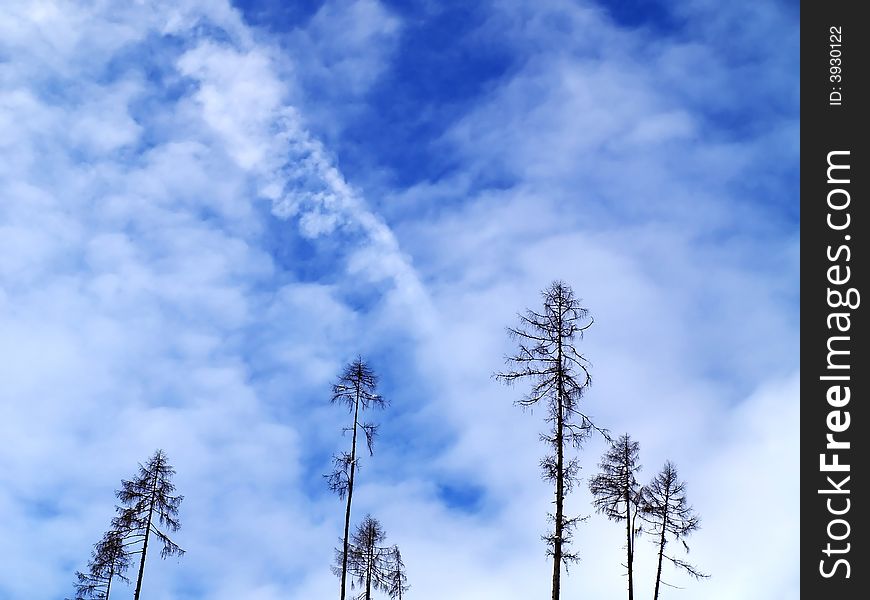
(557, 545)
(560, 459)
(629, 525)
(109, 583)
(349, 497)
(369, 574)
(661, 547)
(629, 543)
(147, 534)
(659, 570)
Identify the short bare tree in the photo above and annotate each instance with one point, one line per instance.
(616, 493)
(109, 561)
(149, 509)
(371, 565)
(397, 580)
(667, 513)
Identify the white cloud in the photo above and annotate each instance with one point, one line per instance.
(146, 300)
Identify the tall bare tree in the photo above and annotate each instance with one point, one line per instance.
(109, 561)
(149, 504)
(559, 374)
(356, 389)
(667, 513)
(371, 565)
(617, 493)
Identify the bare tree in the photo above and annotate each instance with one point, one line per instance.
(560, 374)
(666, 512)
(617, 493)
(149, 504)
(356, 389)
(109, 560)
(372, 566)
(397, 580)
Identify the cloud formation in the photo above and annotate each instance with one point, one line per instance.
(185, 264)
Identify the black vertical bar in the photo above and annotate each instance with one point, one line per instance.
(834, 264)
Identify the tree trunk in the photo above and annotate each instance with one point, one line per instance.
(349, 497)
(147, 534)
(629, 524)
(144, 552)
(109, 582)
(557, 543)
(371, 566)
(659, 570)
(662, 545)
(629, 541)
(560, 460)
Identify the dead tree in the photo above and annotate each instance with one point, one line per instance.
(356, 390)
(617, 493)
(560, 375)
(371, 565)
(667, 513)
(149, 504)
(397, 580)
(109, 561)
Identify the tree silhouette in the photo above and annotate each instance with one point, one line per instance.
(356, 389)
(666, 511)
(617, 493)
(109, 560)
(149, 505)
(397, 580)
(559, 374)
(372, 567)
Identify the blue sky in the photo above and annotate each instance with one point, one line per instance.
(208, 208)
